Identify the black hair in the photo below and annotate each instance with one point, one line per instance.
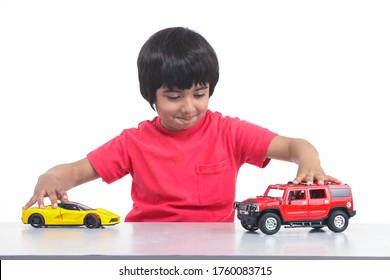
(176, 57)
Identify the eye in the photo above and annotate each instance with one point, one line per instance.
(199, 95)
(176, 97)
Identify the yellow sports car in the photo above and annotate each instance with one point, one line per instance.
(69, 214)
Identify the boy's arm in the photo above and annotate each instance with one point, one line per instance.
(302, 153)
(59, 179)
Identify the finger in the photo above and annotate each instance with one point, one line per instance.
(309, 180)
(298, 179)
(30, 203)
(332, 179)
(63, 196)
(53, 199)
(41, 203)
(319, 179)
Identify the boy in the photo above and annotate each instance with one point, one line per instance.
(184, 163)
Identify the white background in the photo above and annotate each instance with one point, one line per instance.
(319, 70)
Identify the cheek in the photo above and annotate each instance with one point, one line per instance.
(164, 109)
(203, 106)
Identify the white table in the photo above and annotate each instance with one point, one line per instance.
(192, 241)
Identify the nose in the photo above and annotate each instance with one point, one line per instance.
(187, 105)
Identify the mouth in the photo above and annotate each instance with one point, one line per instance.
(187, 120)
(181, 122)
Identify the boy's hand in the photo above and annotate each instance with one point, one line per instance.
(311, 172)
(48, 186)
(302, 153)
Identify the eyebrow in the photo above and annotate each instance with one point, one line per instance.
(201, 87)
(180, 90)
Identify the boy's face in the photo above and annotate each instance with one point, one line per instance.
(181, 109)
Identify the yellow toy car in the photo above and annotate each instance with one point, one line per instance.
(69, 214)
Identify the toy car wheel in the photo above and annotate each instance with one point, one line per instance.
(338, 221)
(91, 221)
(248, 227)
(317, 227)
(36, 220)
(270, 223)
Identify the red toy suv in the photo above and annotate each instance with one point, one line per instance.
(299, 205)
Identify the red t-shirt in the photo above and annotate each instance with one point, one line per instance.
(185, 176)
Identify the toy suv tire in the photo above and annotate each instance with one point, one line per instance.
(248, 227)
(338, 221)
(270, 223)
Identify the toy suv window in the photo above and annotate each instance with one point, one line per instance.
(297, 194)
(342, 192)
(275, 193)
(315, 194)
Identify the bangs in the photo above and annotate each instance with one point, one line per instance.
(185, 71)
